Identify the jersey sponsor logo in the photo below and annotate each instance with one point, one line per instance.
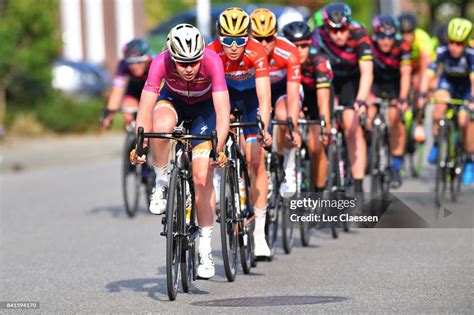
(260, 64)
(189, 93)
(203, 129)
(240, 75)
(282, 53)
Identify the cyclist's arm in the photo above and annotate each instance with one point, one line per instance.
(222, 108)
(293, 92)
(366, 77)
(145, 109)
(323, 96)
(117, 93)
(262, 85)
(405, 77)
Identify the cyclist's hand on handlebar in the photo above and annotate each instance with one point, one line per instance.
(297, 139)
(360, 107)
(268, 140)
(422, 100)
(107, 118)
(221, 160)
(403, 105)
(134, 159)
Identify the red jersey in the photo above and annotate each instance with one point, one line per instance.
(241, 74)
(284, 63)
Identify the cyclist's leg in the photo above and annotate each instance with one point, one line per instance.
(314, 144)
(203, 122)
(129, 103)
(466, 128)
(441, 93)
(248, 105)
(165, 117)
(356, 145)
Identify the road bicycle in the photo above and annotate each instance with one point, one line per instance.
(179, 223)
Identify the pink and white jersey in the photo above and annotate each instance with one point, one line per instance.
(209, 79)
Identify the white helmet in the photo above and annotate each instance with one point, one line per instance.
(288, 16)
(185, 43)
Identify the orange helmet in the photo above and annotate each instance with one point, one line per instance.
(263, 23)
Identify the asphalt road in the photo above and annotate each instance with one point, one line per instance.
(66, 243)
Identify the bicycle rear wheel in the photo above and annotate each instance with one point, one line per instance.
(229, 233)
(131, 178)
(272, 216)
(174, 219)
(441, 166)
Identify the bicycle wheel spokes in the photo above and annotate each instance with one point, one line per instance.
(228, 227)
(173, 241)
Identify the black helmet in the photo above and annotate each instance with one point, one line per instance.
(385, 24)
(407, 22)
(441, 33)
(337, 15)
(296, 31)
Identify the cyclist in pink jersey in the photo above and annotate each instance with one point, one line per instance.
(194, 88)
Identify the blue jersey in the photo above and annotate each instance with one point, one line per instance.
(454, 68)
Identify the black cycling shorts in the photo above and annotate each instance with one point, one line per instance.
(345, 89)
(386, 89)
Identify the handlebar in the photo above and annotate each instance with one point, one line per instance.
(177, 134)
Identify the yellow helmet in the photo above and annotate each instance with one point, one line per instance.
(459, 30)
(264, 23)
(233, 22)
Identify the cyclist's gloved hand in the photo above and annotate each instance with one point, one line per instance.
(107, 117)
(403, 104)
(297, 139)
(134, 159)
(268, 140)
(221, 160)
(360, 106)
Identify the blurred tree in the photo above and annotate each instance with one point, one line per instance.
(435, 4)
(29, 43)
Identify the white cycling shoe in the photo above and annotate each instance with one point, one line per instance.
(261, 247)
(288, 187)
(206, 268)
(158, 200)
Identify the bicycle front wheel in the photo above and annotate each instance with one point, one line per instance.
(131, 178)
(441, 166)
(174, 220)
(229, 233)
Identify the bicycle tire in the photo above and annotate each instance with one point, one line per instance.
(306, 186)
(229, 237)
(375, 178)
(188, 247)
(332, 178)
(272, 218)
(246, 248)
(441, 164)
(174, 208)
(287, 229)
(131, 178)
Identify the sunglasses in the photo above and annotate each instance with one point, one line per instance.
(335, 30)
(187, 64)
(452, 42)
(382, 35)
(268, 39)
(302, 45)
(229, 41)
